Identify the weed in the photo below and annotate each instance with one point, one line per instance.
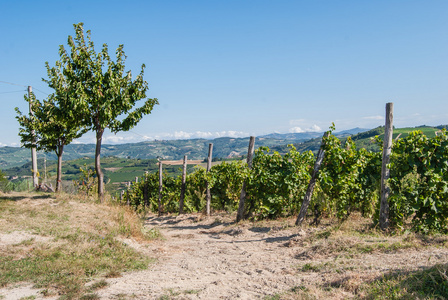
(191, 292)
(299, 288)
(90, 297)
(83, 245)
(98, 285)
(173, 292)
(113, 274)
(309, 267)
(431, 283)
(27, 242)
(272, 297)
(153, 233)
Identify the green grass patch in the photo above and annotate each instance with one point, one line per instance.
(75, 242)
(430, 283)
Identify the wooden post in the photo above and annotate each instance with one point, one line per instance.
(209, 166)
(182, 189)
(250, 153)
(145, 189)
(385, 172)
(136, 179)
(312, 183)
(33, 149)
(160, 188)
(127, 194)
(45, 169)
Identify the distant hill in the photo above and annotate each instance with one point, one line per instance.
(197, 149)
(361, 137)
(305, 136)
(224, 147)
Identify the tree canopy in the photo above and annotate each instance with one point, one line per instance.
(104, 93)
(91, 92)
(52, 125)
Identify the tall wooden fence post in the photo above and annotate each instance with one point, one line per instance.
(385, 172)
(250, 153)
(310, 189)
(209, 166)
(160, 188)
(182, 189)
(33, 149)
(145, 189)
(128, 200)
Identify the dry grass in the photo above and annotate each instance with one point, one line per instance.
(353, 260)
(62, 242)
(68, 246)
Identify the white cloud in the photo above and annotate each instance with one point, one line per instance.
(202, 134)
(304, 125)
(132, 137)
(374, 118)
(313, 128)
(296, 130)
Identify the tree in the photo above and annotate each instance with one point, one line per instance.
(105, 93)
(3, 181)
(53, 121)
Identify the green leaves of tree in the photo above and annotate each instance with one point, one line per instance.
(104, 95)
(107, 94)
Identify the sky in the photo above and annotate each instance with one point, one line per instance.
(243, 67)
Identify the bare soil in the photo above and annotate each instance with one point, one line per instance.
(214, 258)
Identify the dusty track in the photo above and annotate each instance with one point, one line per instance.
(217, 259)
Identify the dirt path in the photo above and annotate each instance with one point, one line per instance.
(211, 260)
(200, 258)
(216, 259)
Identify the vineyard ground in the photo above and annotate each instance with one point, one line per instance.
(214, 258)
(200, 258)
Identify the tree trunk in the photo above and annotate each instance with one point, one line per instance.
(99, 173)
(312, 183)
(250, 153)
(59, 172)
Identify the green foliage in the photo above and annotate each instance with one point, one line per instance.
(348, 181)
(145, 192)
(51, 126)
(104, 90)
(103, 94)
(419, 182)
(226, 180)
(428, 283)
(87, 182)
(3, 181)
(277, 184)
(350, 177)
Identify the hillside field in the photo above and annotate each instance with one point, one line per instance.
(66, 247)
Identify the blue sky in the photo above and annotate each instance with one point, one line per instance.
(240, 68)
